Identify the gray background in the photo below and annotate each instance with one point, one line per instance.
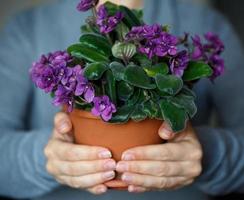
(233, 9)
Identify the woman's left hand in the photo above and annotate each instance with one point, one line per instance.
(165, 166)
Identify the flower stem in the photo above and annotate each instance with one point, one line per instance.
(109, 39)
(94, 12)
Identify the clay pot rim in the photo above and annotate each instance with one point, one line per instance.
(84, 114)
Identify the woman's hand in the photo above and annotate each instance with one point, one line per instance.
(77, 166)
(165, 166)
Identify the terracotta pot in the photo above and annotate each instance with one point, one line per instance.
(90, 130)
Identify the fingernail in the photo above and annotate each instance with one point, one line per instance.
(109, 175)
(128, 156)
(64, 126)
(122, 167)
(101, 190)
(109, 165)
(104, 154)
(127, 178)
(165, 133)
(130, 188)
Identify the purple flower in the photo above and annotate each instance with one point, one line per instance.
(84, 88)
(103, 107)
(218, 66)
(179, 63)
(85, 5)
(153, 41)
(107, 23)
(198, 51)
(214, 43)
(64, 97)
(47, 71)
(209, 52)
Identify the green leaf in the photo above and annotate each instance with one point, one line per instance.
(130, 18)
(97, 42)
(169, 83)
(122, 115)
(142, 60)
(151, 109)
(118, 70)
(176, 117)
(94, 71)
(135, 97)
(160, 68)
(111, 8)
(138, 114)
(87, 53)
(125, 90)
(136, 76)
(144, 97)
(123, 50)
(190, 93)
(139, 14)
(185, 102)
(111, 86)
(197, 70)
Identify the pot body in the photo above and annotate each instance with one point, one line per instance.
(89, 130)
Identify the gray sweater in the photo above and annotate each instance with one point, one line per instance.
(26, 114)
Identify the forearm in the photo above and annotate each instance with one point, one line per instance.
(22, 168)
(223, 161)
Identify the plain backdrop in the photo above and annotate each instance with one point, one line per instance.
(10, 7)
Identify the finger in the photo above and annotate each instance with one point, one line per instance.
(136, 189)
(161, 152)
(98, 189)
(161, 168)
(87, 181)
(80, 168)
(72, 152)
(165, 131)
(152, 181)
(62, 123)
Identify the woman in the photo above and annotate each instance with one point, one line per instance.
(26, 117)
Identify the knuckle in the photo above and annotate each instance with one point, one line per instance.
(197, 170)
(49, 167)
(162, 183)
(196, 155)
(73, 170)
(58, 117)
(70, 153)
(135, 168)
(165, 152)
(75, 182)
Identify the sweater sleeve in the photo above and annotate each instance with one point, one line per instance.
(223, 146)
(22, 162)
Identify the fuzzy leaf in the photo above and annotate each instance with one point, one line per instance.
(125, 90)
(87, 53)
(197, 70)
(97, 42)
(123, 50)
(111, 86)
(160, 68)
(138, 114)
(137, 77)
(122, 115)
(130, 18)
(118, 70)
(176, 117)
(169, 83)
(94, 71)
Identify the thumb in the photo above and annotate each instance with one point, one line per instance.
(165, 131)
(63, 126)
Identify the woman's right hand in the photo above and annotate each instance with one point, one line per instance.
(78, 166)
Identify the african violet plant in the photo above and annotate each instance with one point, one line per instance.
(124, 69)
